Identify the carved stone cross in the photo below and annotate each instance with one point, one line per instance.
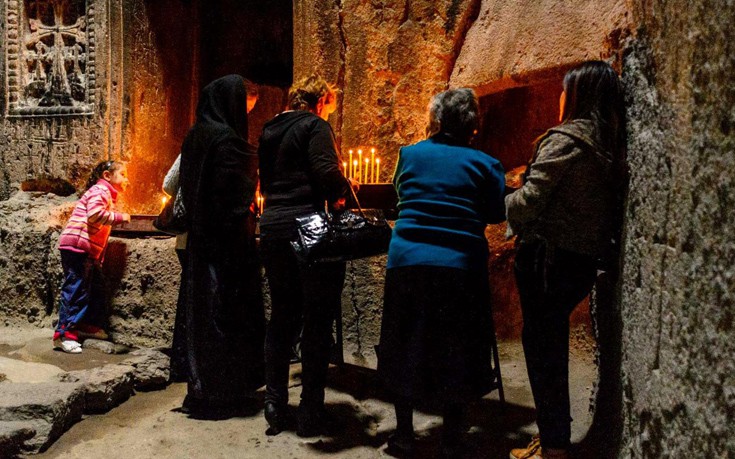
(59, 91)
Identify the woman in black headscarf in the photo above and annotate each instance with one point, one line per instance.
(224, 310)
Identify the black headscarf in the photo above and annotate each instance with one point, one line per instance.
(223, 106)
(221, 120)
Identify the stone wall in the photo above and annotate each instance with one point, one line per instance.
(679, 277)
(387, 57)
(141, 276)
(517, 43)
(61, 147)
(149, 69)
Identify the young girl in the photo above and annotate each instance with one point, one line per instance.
(565, 218)
(82, 245)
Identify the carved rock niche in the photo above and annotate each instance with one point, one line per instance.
(50, 57)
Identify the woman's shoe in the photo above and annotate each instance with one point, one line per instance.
(67, 345)
(275, 415)
(533, 451)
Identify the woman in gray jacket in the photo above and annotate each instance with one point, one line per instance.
(565, 217)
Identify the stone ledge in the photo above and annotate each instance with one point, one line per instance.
(13, 435)
(151, 368)
(104, 387)
(50, 408)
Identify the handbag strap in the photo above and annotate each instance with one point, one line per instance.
(354, 196)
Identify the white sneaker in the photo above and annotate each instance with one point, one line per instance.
(68, 345)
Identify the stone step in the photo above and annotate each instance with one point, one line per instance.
(13, 435)
(50, 407)
(104, 387)
(151, 368)
(19, 371)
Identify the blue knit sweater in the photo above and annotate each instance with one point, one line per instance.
(446, 196)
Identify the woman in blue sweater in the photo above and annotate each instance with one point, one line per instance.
(435, 338)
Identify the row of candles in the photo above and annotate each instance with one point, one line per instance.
(363, 170)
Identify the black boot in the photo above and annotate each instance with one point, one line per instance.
(276, 416)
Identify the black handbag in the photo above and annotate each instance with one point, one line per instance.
(172, 218)
(326, 236)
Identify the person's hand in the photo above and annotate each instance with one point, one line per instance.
(339, 204)
(126, 218)
(354, 184)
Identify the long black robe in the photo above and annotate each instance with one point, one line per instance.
(224, 310)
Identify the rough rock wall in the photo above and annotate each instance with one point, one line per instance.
(678, 293)
(388, 58)
(141, 275)
(30, 267)
(514, 43)
(160, 62)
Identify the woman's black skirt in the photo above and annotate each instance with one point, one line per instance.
(437, 333)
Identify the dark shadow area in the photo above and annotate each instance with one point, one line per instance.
(250, 37)
(113, 270)
(495, 426)
(511, 120)
(57, 186)
(604, 436)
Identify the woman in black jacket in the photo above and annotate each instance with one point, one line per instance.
(299, 171)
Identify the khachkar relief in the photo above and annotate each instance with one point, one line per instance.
(50, 57)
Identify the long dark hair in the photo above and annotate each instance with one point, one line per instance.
(593, 91)
(100, 169)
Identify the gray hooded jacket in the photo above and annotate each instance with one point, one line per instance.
(568, 198)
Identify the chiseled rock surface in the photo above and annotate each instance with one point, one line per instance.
(30, 267)
(513, 42)
(13, 435)
(104, 387)
(49, 408)
(678, 292)
(150, 368)
(387, 57)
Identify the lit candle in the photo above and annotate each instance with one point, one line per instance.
(367, 170)
(359, 167)
(354, 168)
(163, 202)
(372, 161)
(344, 168)
(377, 170)
(351, 173)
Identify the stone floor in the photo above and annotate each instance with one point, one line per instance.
(149, 424)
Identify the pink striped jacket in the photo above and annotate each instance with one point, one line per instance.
(91, 221)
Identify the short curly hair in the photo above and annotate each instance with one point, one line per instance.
(455, 113)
